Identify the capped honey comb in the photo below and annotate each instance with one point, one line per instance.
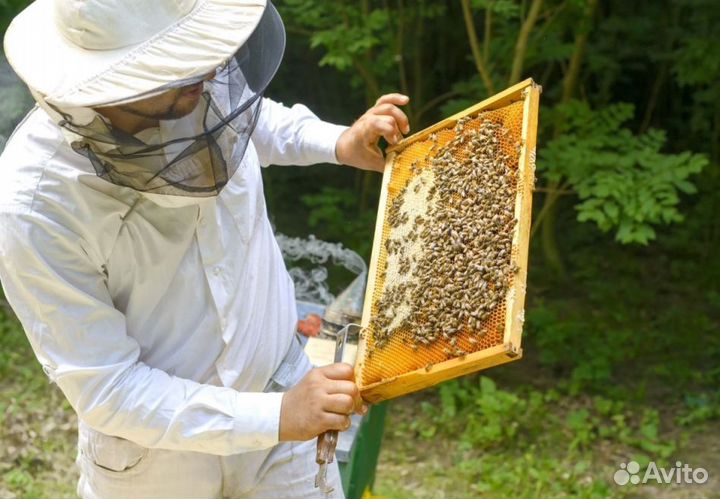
(391, 361)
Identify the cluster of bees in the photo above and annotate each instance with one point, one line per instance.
(460, 268)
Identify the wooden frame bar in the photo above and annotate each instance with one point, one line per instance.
(510, 349)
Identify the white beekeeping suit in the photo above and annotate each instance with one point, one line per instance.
(156, 297)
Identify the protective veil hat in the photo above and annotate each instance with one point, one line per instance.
(84, 53)
(104, 52)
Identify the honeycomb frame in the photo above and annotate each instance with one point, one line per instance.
(398, 369)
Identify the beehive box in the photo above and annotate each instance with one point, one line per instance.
(446, 285)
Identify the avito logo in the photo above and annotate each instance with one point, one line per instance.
(680, 473)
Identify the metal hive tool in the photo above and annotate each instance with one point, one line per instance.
(391, 365)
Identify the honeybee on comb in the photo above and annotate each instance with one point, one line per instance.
(449, 291)
(464, 265)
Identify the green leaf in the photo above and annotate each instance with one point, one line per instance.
(623, 180)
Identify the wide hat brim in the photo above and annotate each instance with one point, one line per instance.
(67, 75)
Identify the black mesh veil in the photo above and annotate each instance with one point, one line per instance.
(197, 154)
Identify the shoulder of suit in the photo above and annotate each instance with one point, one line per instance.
(38, 162)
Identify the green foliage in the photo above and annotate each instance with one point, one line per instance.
(525, 442)
(626, 182)
(698, 62)
(345, 33)
(340, 28)
(623, 180)
(37, 437)
(700, 408)
(695, 60)
(531, 476)
(502, 8)
(15, 101)
(648, 437)
(331, 212)
(616, 323)
(588, 347)
(14, 351)
(587, 425)
(8, 9)
(471, 91)
(491, 417)
(695, 65)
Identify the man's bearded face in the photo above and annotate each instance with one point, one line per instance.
(171, 105)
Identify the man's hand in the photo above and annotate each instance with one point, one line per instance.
(322, 401)
(358, 145)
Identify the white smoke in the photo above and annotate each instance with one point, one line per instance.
(311, 285)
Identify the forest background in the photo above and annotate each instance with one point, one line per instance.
(622, 352)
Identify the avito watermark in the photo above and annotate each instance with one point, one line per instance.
(680, 473)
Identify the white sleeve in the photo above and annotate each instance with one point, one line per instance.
(80, 339)
(294, 136)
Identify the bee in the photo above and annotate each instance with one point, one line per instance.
(455, 281)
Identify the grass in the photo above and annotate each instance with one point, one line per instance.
(38, 435)
(524, 442)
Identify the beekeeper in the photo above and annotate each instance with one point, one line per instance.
(136, 249)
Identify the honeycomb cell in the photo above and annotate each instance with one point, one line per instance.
(398, 356)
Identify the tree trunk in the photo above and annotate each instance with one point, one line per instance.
(477, 51)
(549, 238)
(521, 44)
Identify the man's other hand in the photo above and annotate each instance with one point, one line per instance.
(322, 401)
(358, 145)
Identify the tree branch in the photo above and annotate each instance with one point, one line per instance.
(559, 192)
(475, 47)
(554, 193)
(546, 217)
(571, 77)
(546, 74)
(550, 16)
(487, 35)
(417, 67)
(521, 44)
(363, 62)
(399, 45)
(435, 101)
(653, 99)
(371, 84)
